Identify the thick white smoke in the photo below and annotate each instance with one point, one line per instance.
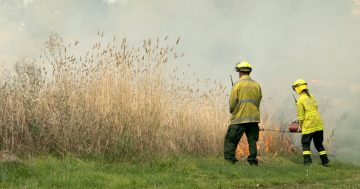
(284, 40)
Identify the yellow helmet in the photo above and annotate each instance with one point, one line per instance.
(243, 66)
(299, 85)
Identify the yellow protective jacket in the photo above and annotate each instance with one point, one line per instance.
(308, 115)
(245, 100)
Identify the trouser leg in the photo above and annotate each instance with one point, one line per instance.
(231, 141)
(305, 141)
(318, 143)
(252, 135)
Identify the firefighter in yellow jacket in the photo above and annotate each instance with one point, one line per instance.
(311, 124)
(244, 104)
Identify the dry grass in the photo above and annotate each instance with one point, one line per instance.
(113, 100)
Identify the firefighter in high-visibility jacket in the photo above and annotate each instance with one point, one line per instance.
(244, 104)
(311, 124)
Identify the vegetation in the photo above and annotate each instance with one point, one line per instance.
(176, 172)
(123, 117)
(115, 101)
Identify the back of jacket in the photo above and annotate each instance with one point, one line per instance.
(245, 100)
(308, 114)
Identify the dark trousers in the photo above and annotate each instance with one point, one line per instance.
(318, 140)
(233, 136)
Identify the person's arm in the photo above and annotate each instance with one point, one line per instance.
(301, 113)
(233, 99)
(260, 96)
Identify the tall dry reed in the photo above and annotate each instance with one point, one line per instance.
(114, 100)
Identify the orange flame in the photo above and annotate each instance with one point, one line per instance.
(273, 143)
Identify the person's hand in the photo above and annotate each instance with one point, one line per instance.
(299, 130)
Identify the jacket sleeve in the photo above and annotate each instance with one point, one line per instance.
(260, 97)
(300, 112)
(233, 99)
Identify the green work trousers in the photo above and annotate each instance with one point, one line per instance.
(233, 136)
(318, 140)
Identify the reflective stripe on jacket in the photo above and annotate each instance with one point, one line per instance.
(308, 114)
(245, 100)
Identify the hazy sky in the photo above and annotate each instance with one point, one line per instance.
(283, 39)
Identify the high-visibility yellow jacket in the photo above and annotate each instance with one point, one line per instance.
(245, 100)
(308, 115)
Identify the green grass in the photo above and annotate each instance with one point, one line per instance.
(177, 172)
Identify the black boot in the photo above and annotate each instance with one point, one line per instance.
(324, 160)
(232, 161)
(253, 162)
(307, 159)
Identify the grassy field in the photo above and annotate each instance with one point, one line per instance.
(177, 172)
